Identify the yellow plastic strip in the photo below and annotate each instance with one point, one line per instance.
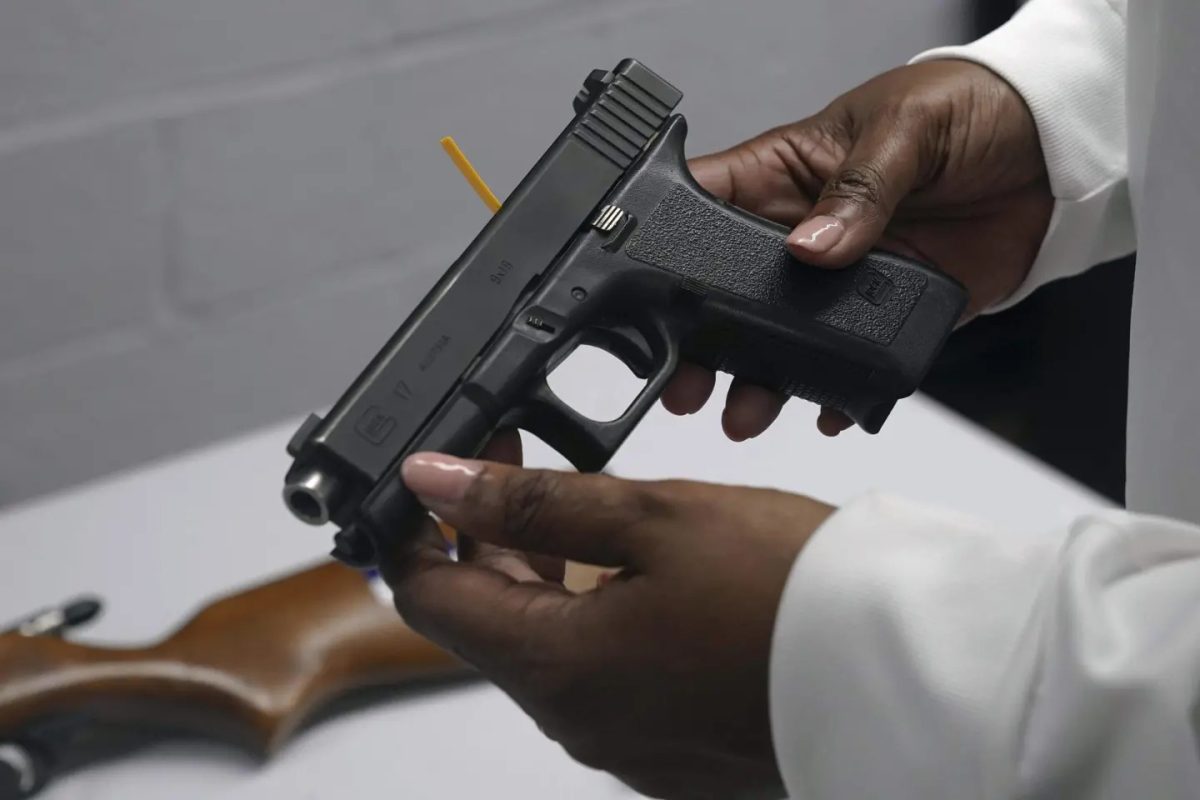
(579, 578)
(493, 203)
(468, 172)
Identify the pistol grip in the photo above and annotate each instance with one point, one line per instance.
(855, 339)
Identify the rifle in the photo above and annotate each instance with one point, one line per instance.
(250, 669)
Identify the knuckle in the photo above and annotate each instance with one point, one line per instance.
(587, 749)
(836, 124)
(653, 500)
(862, 184)
(559, 685)
(552, 689)
(551, 701)
(903, 114)
(525, 499)
(656, 785)
(553, 684)
(668, 499)
(632, 508)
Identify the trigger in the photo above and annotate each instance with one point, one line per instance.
(628, 344)
(581, 441)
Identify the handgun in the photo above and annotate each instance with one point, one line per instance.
(608, 241)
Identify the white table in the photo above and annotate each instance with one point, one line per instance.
(157, 540)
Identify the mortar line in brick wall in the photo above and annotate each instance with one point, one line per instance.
(396, 53)
(164, 307)
(179, 320)
(380, 272)
(114, 341)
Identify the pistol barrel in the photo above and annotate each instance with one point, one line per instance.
(311, 494)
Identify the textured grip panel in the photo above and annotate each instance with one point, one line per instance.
(690, 236)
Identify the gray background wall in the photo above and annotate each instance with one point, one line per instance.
(212, 213)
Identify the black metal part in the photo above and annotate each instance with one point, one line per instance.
(58, 620)
(354, 548)
(24, 770)
(664, 272)
(81, 611)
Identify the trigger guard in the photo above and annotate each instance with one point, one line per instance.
(589, 444)
(545, 415)
(626, 343)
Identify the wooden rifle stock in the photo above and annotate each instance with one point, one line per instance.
(248, 669)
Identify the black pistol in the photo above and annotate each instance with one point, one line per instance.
(608, 241)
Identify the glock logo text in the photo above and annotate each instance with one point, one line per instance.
(375, 426)
(875, 287)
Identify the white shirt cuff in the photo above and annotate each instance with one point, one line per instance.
(1067, 60)
(895, 646)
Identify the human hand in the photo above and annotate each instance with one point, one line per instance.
(658, 676)
(940, 162)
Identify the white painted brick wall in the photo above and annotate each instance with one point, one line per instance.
(81, 238)
(211, 214)
(60, 56)
(278, 190)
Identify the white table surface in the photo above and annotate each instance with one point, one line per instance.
(155, 542)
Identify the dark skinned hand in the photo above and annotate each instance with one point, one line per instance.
(658, 676)
(939, 162)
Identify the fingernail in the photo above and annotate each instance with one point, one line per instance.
(818, 235)
(439, 478)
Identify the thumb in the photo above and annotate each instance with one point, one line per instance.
(856, 205)
(592, 519)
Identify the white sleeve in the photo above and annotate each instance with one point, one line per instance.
(1067, 59)
(919, 655)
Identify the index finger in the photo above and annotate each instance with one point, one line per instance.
(595, 519)
(480, 614)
